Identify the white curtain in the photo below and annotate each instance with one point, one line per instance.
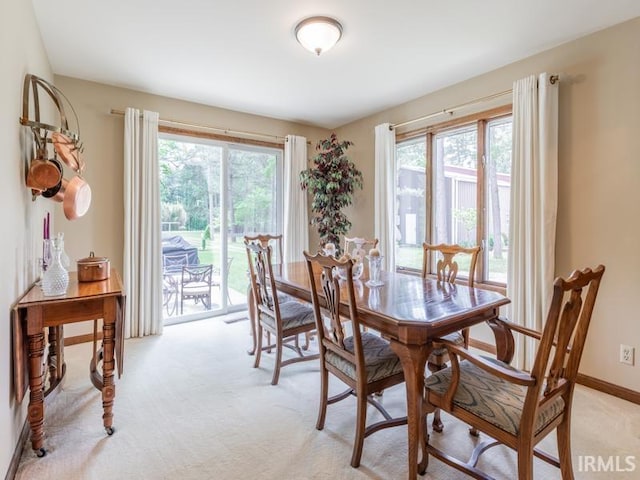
(534, 199)
(384, 224)
(296, 221)
(142, 244)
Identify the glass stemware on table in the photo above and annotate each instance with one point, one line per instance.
(375, 268)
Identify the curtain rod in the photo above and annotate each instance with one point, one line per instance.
(552, 79)
(208, 127)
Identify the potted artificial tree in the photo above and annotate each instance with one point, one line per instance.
(331, 180)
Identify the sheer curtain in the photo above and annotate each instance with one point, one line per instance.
(296, 221)
(384, 225)
(142, 245)
(534, 199)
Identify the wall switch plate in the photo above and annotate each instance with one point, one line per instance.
(627, 354)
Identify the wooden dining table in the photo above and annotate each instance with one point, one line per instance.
(410, 311)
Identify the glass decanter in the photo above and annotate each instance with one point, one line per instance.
(55, 279)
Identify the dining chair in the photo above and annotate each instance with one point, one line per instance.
(196, 285)
(363, 361)
(514, 407)
(171, 272)
(358, 246)
(442, 257)
(275, 241)
(172, 263)
(268, 239)
(284, 320)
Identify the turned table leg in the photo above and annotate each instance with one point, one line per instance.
(413, 359)
(36, 389)
(108, 364)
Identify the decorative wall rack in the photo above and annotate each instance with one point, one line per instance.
(45, 175)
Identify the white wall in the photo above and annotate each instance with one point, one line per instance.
(21, 52)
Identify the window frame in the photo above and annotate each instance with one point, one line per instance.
(480, 120)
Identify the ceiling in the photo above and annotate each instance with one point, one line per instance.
(242, 54)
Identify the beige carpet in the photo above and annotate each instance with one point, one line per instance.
(190, 406)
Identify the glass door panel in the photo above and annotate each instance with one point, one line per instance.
(253, 207)
(190, 176)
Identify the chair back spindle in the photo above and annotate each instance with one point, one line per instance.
(261, 274)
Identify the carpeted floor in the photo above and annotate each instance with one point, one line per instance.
(190, 406)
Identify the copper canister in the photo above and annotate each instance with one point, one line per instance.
(93, 269)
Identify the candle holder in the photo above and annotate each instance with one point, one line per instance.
(375, 268)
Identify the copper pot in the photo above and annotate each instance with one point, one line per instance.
(68, 151)
(43, 173)
(53, 191)
(75, 195)
(93, 269)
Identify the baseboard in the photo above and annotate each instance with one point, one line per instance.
(585, 380)
(606, 387)
(17, 453)
(88, 337)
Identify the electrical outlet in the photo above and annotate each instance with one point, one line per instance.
(627, 354)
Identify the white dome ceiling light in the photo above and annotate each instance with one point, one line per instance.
(318, 34)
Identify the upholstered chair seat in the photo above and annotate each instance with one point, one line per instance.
(293, 314)
(455, 337)
(379, 360)
(491, 398)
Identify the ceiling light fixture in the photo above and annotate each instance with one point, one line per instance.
(318, 34)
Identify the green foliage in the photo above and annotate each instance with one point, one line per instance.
(460, 148)
(174, 214)
(467, 216)
(500, 138)
(413, 154)
(331, 181)
(183, 179)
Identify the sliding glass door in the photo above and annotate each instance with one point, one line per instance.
(212, 194)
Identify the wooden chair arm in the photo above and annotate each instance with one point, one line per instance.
(517, 377)
(524, 330)
(519, 328)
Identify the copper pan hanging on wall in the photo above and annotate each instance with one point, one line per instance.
(75, 196)
(43, 173)
(68, 150)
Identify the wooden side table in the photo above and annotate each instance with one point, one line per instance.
(34, 313)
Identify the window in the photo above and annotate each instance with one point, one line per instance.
(452, 186)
